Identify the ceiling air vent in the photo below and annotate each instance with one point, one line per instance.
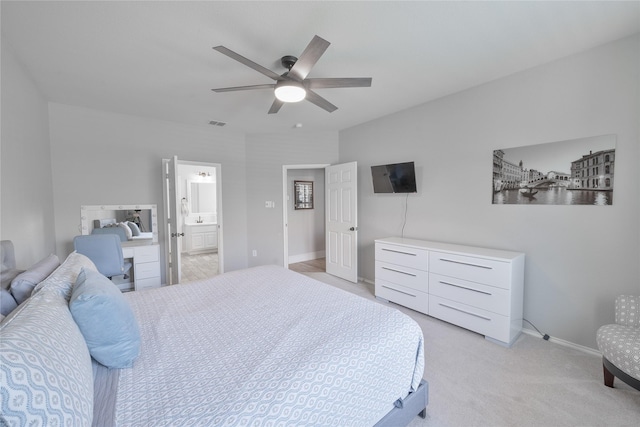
(217, 123)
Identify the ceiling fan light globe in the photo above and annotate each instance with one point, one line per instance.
(290, 92)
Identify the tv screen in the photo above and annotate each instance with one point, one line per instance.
(394, 178)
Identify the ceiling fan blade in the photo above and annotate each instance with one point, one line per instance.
(308, 58)
(338, 82)
(316, 99)
(275, 107)
(251, 87)
(249, 63)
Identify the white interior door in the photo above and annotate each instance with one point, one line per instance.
(341, 189)
(171, 215)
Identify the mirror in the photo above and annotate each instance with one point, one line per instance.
(202, 197)
(145, 216)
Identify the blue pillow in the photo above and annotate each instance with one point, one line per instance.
(135, 230)
(105, 320)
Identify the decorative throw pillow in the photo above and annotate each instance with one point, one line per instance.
(126, 229)
(62, 279)
(105, 319)
(22, 285)
(135, 230)
(46, 371)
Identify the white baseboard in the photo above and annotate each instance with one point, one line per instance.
(306, 257)
(565, 343)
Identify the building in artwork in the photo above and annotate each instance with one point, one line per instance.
(594, 171)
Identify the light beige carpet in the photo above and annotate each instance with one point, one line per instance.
(473, 382)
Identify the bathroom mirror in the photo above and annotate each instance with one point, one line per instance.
(145, 216)
(202, 197)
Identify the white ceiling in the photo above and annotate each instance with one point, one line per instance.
(155, 59)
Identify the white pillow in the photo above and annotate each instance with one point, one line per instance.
(61, 281)
(126, 229)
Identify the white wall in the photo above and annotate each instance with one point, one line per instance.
(578, 258)
(101, 158)
(306, 226)
(26, 212)
(266, 154)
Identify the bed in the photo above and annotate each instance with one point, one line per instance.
(262, 346)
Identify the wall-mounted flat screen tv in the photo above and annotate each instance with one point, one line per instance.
(394, 178)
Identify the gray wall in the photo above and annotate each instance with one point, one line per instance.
(578, 258)
(100, 158)
(266, 154)
(26, 212)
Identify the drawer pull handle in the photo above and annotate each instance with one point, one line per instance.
(464, 287)
(398, 290)
(399, 271)
(466, 263)
(465, 311)
(399, 252)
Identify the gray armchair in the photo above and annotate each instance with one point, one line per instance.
(105, 251)
(620, 343)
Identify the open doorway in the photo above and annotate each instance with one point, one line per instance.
(304, 223)
(198, 220)
(340, 198)
(193, 210)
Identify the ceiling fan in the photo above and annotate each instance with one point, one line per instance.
(293, 85)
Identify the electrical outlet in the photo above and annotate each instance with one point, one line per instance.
(254, 252)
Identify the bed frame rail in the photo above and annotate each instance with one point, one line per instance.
(414, 404)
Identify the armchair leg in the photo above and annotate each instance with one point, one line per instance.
(608, 376)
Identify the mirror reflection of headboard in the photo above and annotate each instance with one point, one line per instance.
(146, 215)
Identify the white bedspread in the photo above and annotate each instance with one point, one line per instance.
(266, 347)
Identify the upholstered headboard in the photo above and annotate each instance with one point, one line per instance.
(8, 259)
(7, 274)
(99, 223)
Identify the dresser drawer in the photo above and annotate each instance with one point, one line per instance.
(152, 282)
(401, 275)
(479, 270)
(147, 253)
(481, 321)
(490, 298)
(402, 255)
(402, 295)
(147, 269)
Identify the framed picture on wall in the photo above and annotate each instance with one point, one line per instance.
(574, 172)
(303, 194)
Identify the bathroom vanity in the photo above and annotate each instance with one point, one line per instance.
(200, 238)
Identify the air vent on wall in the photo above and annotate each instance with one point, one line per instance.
(217, 123)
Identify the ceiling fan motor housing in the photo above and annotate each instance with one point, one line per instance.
(288, 61)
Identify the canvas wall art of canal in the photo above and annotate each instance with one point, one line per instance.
(575, 172)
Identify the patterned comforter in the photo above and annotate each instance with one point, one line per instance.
(266, 347)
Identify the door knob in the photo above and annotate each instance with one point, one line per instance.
(353, 228)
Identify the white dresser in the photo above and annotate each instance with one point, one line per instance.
(146, 265)
(478, 289)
